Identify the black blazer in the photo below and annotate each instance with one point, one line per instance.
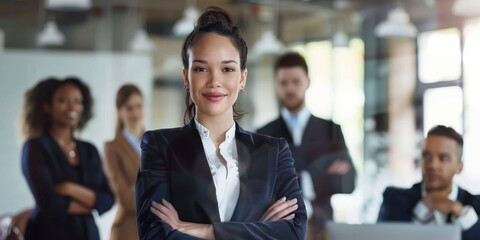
(44, 165)
(398, 205)
(322, 143)
(174, 168)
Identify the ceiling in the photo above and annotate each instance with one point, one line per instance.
(110, 23)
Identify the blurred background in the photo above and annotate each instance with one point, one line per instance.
(386, 71)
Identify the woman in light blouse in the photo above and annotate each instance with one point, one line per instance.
(122, 160)
(211, 179)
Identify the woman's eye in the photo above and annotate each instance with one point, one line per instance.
(228, 69)
(200, 69)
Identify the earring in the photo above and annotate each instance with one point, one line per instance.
(242, 89)
(186, 87)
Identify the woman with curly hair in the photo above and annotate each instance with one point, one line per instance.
(64, 174)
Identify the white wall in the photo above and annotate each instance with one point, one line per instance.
(103, 72)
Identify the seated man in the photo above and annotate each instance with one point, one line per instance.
(436, 200)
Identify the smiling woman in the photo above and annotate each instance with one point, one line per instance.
(64, 174)
(211, 179)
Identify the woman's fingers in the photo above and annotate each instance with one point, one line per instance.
(170, 207)
(280, 210)
(268, 213)
(285, 212)
(169, 215)
(164, 218)
(289, 217)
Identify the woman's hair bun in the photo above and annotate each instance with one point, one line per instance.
(214, 15)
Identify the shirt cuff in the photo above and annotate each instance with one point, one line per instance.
(467, 218)
(308, 189)
(422, 213)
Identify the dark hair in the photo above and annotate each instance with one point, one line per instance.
(291, 59)
(36, 119)
(213, 20)
(123, 94)
(447, 132)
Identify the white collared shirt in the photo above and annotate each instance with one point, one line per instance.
(296, 123)
(227, 181)
(423, 215)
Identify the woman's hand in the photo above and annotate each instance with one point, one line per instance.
(281, 210)
(77, 192)
(63, 189)
(167, 213)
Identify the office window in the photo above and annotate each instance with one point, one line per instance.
(471, 172)
(439, 55)
(443, 106)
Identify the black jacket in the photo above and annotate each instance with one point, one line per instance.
(174, 167)
(398, 205)
(44, 165)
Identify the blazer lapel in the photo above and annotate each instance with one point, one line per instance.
(285, 132)
(131, 155)
(191, 153)
(253, 169)
(59, 159)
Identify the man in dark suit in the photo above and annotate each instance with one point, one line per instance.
(318, 147)
(436, 200)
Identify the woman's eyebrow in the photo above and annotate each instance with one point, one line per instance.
(206, 62)
(200, 61)
(229, 61)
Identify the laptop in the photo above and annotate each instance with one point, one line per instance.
(392, 231)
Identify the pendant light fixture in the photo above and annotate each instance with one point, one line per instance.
(68, 5)
(50, 35)
(397, 24)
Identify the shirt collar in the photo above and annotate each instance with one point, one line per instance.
(133, 140)
(303, 115)
(453, 195)
(204, 132)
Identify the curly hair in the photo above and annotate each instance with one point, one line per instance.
(36, 119)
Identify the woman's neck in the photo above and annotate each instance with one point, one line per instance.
(135, 130)
(64, 134)
(217, 125)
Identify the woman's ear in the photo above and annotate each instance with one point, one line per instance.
(186, 83)
(243, 79)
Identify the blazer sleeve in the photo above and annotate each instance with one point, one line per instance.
(286, 185)
(103, 195)
(153, 184)
(474, 232)
(325, 184)
(125, 192)
(38, 175)
(387, 209)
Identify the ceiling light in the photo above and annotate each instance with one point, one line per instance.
(141, 42)
(397, 24)
(50, 35)
(267, 44)
(185, 25)
(68, 5)
(468, 8)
